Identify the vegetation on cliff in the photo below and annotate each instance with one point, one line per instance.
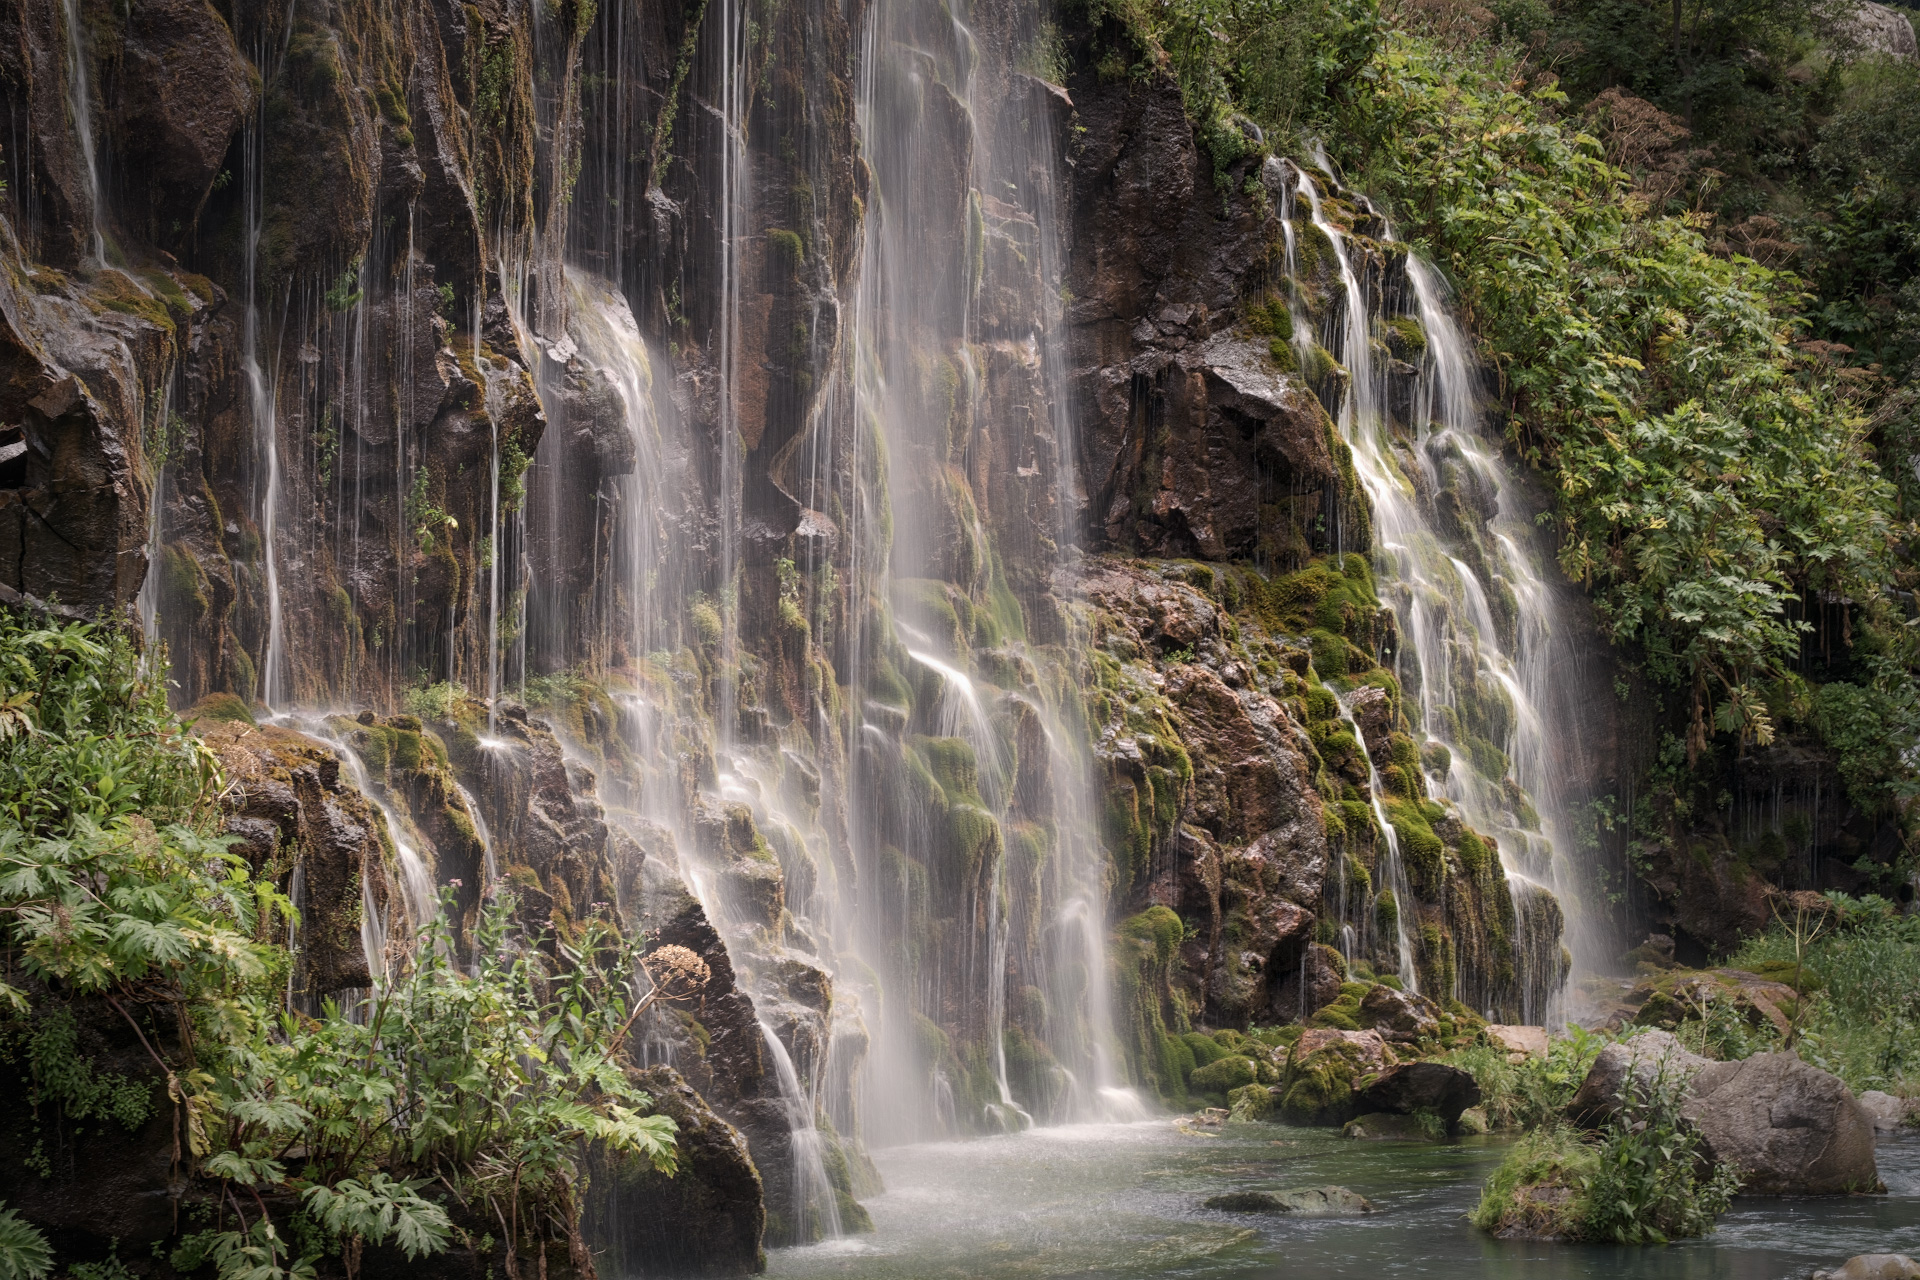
(456, 1090)
(1688, 258)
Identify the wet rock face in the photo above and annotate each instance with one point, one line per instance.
(705, 1220)
(1197, 441)
(88, 1183)
(178, 96)
(1248, 854)
(289, 809)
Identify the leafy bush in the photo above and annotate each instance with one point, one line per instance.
(1859, 979)
(1645, 1179)
(24, 1254)
(485, 1085)
(1530, 1093)
(1647, 1186)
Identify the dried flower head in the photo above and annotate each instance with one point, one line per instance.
(677, 973)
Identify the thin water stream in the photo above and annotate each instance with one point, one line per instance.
(1126, 1201)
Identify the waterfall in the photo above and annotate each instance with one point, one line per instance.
(982, 907)
(1460, 564)
(1395, 869)
(80, 105)
(260, 370)
(734, 197)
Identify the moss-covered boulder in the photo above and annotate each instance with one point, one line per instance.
(1224, 1075)
(1250, 1102)
(1326, 1069)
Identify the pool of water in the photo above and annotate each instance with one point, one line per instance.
(1125, 1201)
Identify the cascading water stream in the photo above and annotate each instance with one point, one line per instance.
(259, 369)
(813, 1190)
(80, 104)
(1396, 870)
(1477, 617)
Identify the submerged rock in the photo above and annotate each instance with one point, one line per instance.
(1314, 1202)
(1325, 1202)
(1388, 1126)
(1790, 1128)
(1873, 1266)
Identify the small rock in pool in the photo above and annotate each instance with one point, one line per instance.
(1874, 1266)
(1245, 1202)
(1315, 1202)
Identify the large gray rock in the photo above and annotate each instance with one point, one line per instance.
(1646, 1055)
(1881, 29)
(1790, 1128)
(1884, 1111)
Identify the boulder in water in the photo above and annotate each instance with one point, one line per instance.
(1886, 1112)
(1250, 1102)
(1325, 1069)
(1244, 1202)
(1422, 1086)
(1646, 1055)
(1873, 1266)
(1325, 1202)
(1790, 1128)
(1314, 1202)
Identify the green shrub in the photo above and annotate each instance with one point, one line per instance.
(114, 887)
(1645, 1179)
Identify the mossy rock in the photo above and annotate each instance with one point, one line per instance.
(1343, 1014)
(1206, 1050)
(219, 706)
(1250, 1102)
(1224, 1075)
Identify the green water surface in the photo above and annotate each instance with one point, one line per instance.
(1125, 1201)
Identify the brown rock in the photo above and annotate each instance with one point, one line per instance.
(1647, 1055)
